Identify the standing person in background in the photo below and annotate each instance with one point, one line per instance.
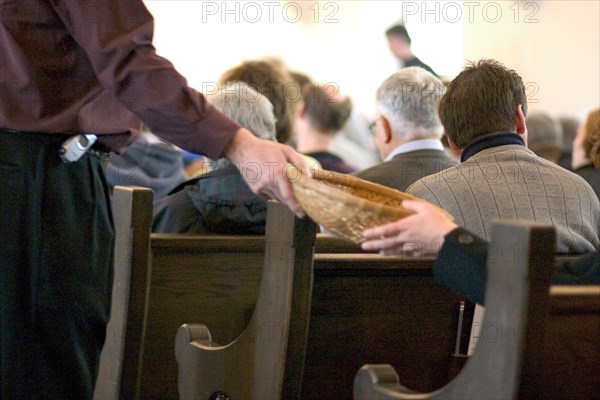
(70, 68)
(400, 43)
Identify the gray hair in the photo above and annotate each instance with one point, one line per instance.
(409, 100)
(240, 102)
(543, 132)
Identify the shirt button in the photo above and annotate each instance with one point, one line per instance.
(465, 238)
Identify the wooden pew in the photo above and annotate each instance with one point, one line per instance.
(365, 306)
(223, 273)
(360, 301)
(162, 281)
(122, 355)
(266, 361)
(536, 342)
(215, 279)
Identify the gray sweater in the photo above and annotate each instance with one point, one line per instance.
(511, 182)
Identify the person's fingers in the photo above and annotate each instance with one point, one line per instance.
(277, 183)
(383, 243)
(297, 160)
(414, 205)
(383, 230)
(286, 196)
(408, 249)
(281, 191)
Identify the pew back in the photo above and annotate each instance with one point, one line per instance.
(358, 300)
(536, 342)
(365, 306)
(266, 361)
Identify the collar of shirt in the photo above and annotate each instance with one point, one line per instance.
(421, 144)
(489, 141)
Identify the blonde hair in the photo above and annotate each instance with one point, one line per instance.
(591, 140)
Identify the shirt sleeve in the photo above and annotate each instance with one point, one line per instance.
(117, 37)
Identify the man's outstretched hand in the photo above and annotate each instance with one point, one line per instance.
(263, 165)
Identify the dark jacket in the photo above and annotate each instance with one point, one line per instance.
(406, 168)
(461, 266)
(331, 162)
(591, 176)
(218, 201)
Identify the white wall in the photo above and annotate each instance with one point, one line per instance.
(343, 41)
(554, 45)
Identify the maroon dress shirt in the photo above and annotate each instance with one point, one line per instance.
(89, 66)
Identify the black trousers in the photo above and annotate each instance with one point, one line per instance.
(56, 249)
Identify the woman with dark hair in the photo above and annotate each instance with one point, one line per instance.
(319, 116)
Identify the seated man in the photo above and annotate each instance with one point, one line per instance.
(318, 117)
(219, 201)
(408, 129)
(483, 113)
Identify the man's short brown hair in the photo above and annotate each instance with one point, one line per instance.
(482, 99)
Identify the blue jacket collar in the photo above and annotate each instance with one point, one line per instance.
(490, 141)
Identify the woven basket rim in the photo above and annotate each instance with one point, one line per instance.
(351, 199)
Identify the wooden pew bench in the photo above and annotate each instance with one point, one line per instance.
(366, 305)
(215, 279)
(362, 302)
(162, 281)
(537, 341)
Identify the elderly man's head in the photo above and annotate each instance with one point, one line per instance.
(486, 97)
(407, 107)
(240, 102)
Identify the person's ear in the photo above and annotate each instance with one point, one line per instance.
(453, 146)
(386, 129)
(300, 109)
(520, 126)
